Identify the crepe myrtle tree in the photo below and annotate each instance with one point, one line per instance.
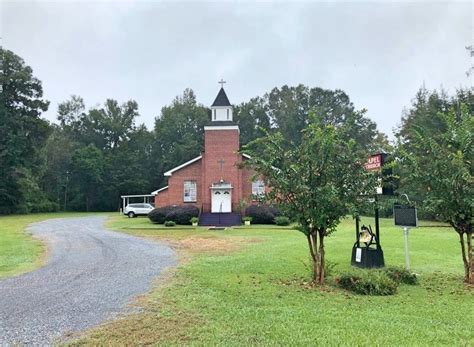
(317, 182)
(440, 166)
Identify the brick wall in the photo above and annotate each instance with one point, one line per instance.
(175, 193)
(218, 145)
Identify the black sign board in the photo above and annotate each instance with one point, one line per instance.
(405, 215)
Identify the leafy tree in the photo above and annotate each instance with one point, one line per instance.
(287, 110)
(87, 170)
(424, 113)
(316, 182)
(57, 153)
(439, 165)
(22, 131)
(179, 131)
(252, 118)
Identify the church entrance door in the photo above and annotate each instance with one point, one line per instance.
(221, 201)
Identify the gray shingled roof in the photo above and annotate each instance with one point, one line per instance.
(221, 99)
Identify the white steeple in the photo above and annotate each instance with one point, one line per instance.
(221, 109)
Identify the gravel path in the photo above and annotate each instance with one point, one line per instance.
(91, 275)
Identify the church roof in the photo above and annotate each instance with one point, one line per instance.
(170, 172)
(221, 99)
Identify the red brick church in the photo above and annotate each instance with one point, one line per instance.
(212, 181)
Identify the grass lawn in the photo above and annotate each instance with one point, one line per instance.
(19, 252)
(248, 286)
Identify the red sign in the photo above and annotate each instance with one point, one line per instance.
(374, 163)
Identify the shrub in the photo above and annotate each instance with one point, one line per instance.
(368, 283)
(282, 220)
(170, 223)
(400, 275)
(44, 206)
(194, 220)
(247, 219)
(182, 214)
(262, 214)
(178, 214)
(158, 215)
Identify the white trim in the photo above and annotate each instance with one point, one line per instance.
(170, 172)
(221, 107)
(137, 196)
(159, 190)
(222, 127)
(246, 156)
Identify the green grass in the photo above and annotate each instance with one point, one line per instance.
(19, 251)
(258, 294)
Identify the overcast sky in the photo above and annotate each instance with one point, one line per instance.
(149, 51)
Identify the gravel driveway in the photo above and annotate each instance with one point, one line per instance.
(91, 275)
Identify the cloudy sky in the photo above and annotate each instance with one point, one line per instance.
(150, 51)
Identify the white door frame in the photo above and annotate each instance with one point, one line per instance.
(221, 200)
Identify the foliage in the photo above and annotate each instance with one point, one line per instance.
(424, 113)
(440, 166)
(194, 220)
(262, 214)
(287, 110)
(158, 215)
(282, 220)
(401, 275)
(170, 223)
(179, 132)
(22, 131)
(369, 282)
(181, 214)
(318, 181)
(247, 219)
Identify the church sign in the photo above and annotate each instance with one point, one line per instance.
(374, 163)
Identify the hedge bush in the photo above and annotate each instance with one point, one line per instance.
(170, 223)
(262, 214)
(179, 214)
(401, 275)
(282, 220)
(370, 282)
(158, 215)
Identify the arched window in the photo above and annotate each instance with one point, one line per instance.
(217, 192)
(226, 192)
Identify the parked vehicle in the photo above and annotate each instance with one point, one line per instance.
(134, 210)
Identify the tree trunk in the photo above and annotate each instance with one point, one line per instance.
(467, 256)
(470, 261)
(317, 254)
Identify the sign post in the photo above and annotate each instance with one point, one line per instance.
(405, 216)
(407, 255)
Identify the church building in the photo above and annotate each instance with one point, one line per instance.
(212, 181)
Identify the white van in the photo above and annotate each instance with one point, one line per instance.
(133, 210)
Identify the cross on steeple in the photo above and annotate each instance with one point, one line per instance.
(221, 82)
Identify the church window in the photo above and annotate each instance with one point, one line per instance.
(227, 114)
(258, 189)
(214, 112)
(190, 191)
